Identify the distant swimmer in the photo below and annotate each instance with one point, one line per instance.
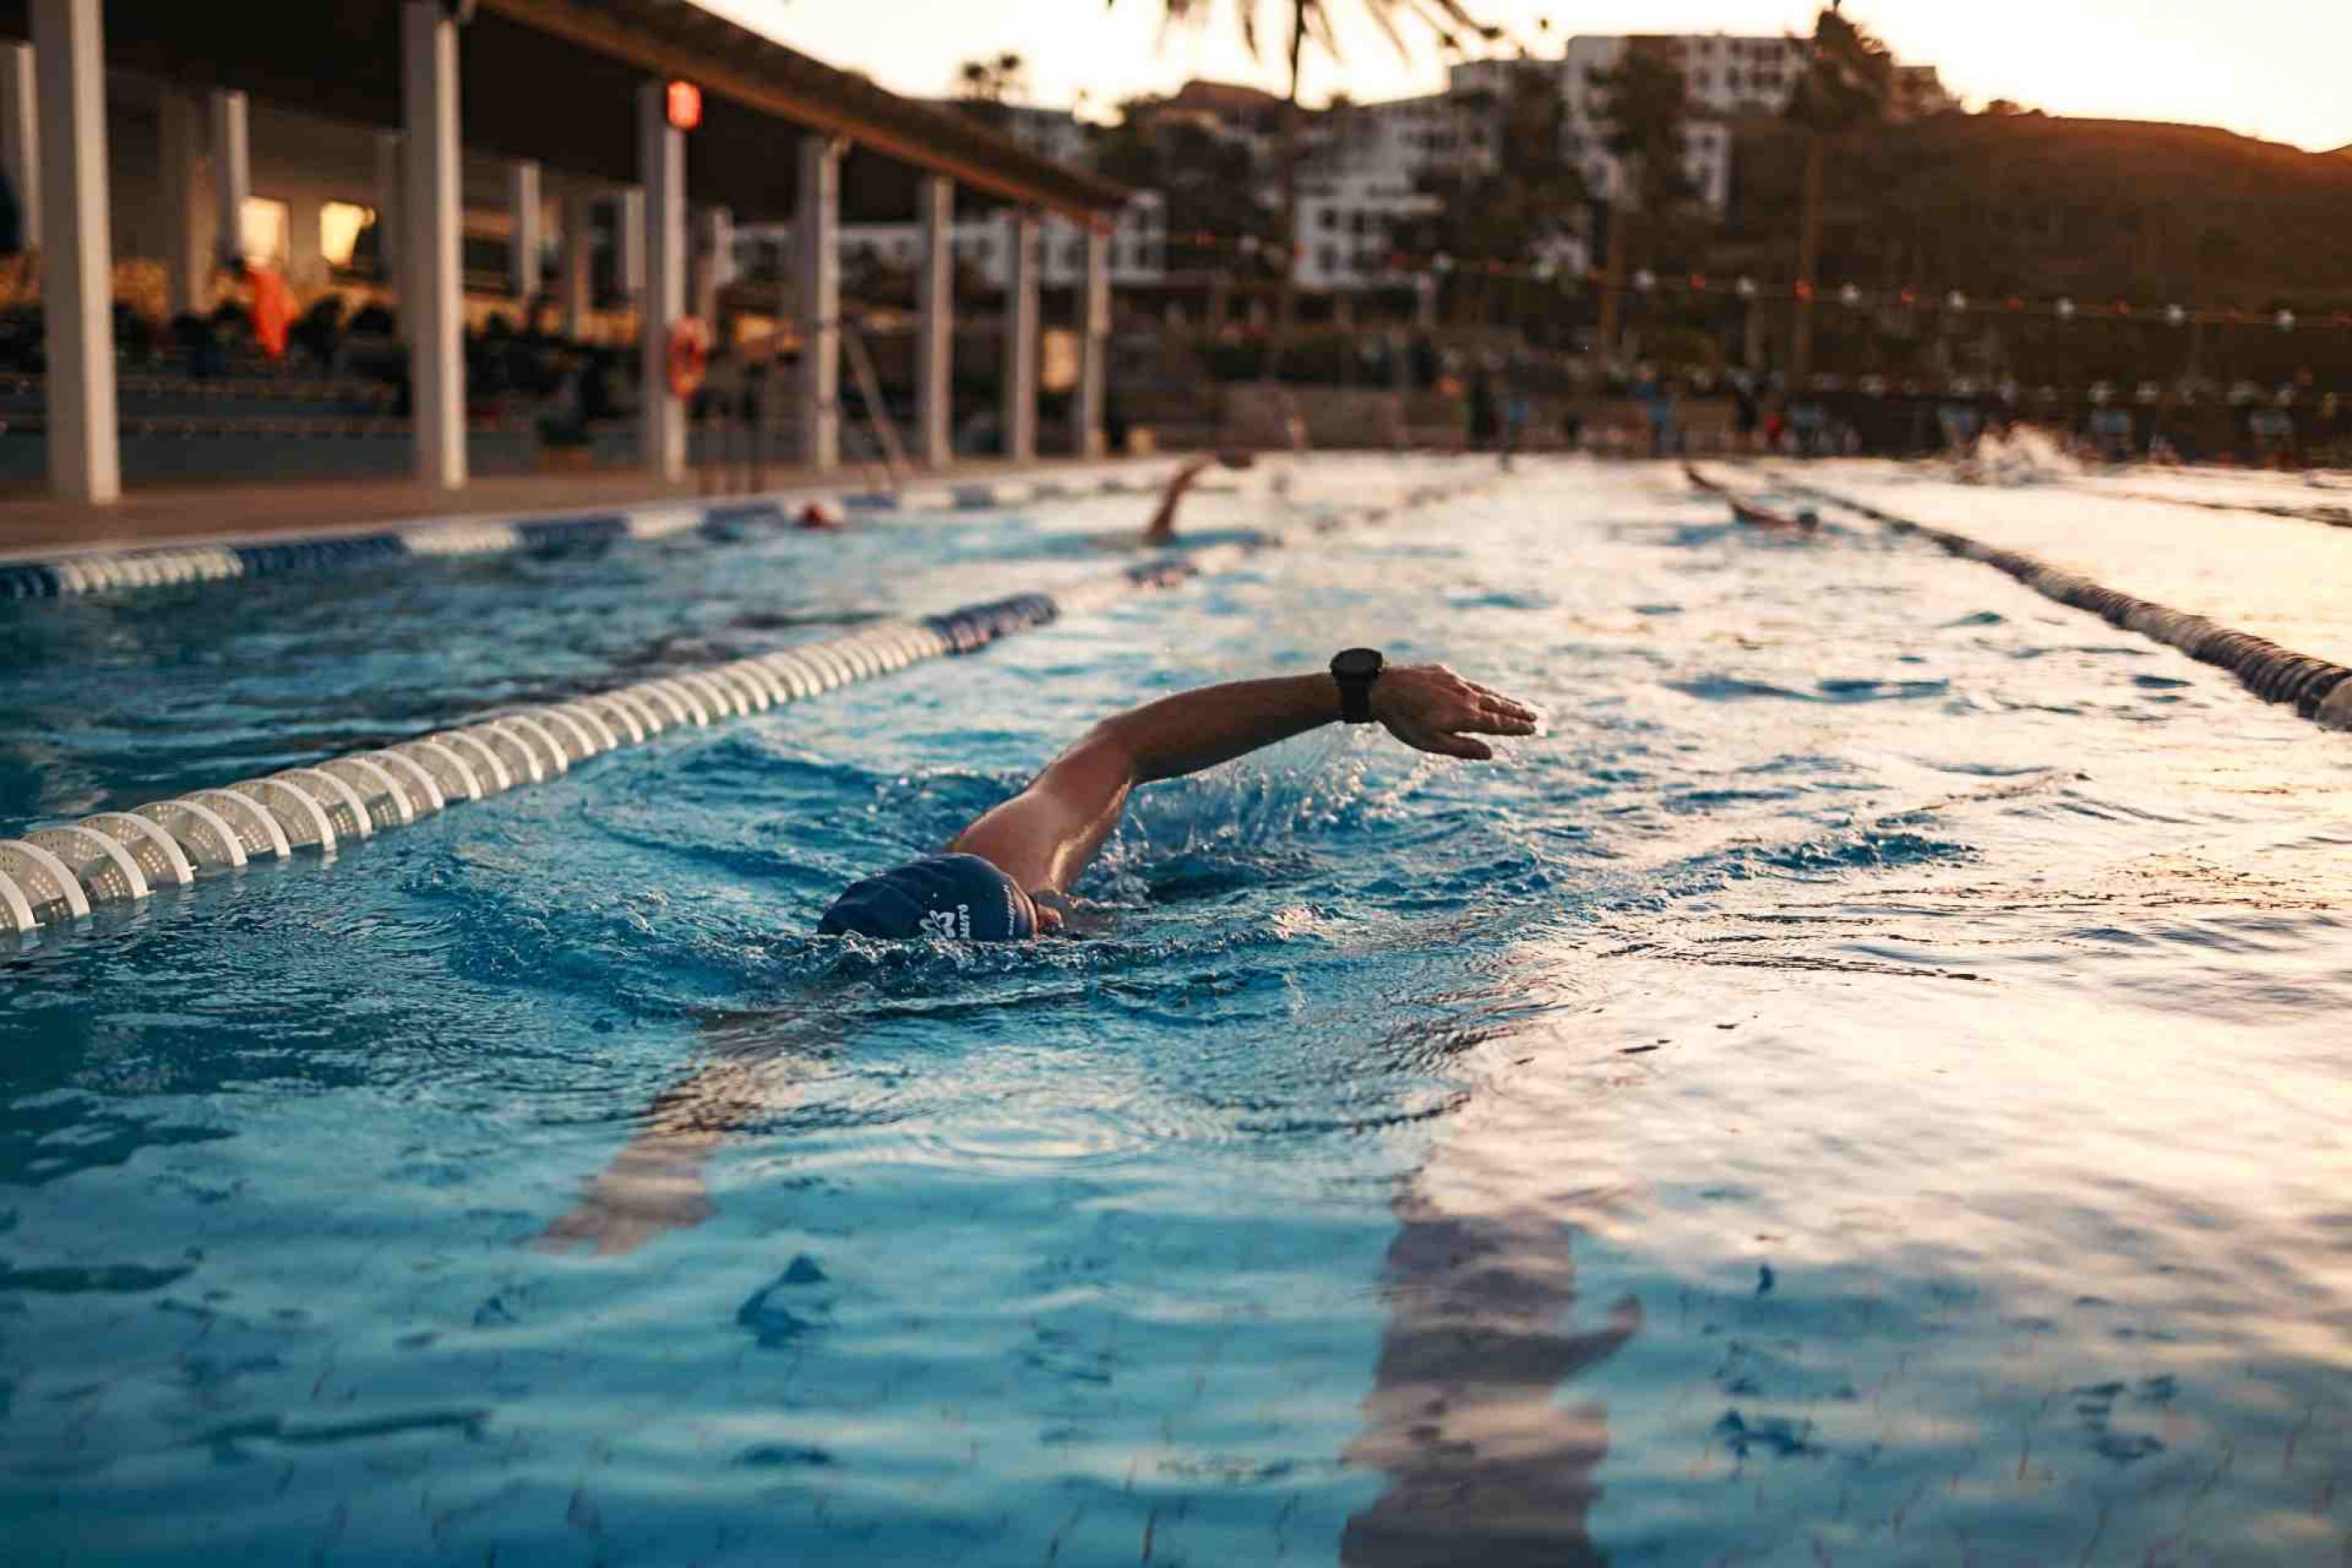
(1008, 876)
(1161, 528)
(1804, 520)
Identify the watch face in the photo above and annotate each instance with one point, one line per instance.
(1356, 664)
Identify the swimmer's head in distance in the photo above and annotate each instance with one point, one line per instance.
(958, 898)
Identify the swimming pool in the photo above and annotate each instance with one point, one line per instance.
(1867, 1086)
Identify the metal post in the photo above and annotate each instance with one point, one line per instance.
(433, 306)
(389, 235)
(661, 163)
(1087, 437)
(78, 264)
(579, 249)
(715, 262)
(306, 254)
(232, 175)
(629, 233)
(525, 236)
(187, 265)
(935, 329)
(1021, 337)
(816, 228)
(20, 137)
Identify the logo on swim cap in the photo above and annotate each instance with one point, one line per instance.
(954, 898)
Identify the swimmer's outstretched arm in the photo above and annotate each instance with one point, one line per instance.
(1045, 837)
(1163, 526)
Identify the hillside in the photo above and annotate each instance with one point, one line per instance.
(2039, 205)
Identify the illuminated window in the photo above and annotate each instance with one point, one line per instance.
(339, 230)
(263, 229)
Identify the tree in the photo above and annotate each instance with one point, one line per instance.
(1645, 101)
(1311, 21)
(1847, 83)
(1206, 179)
(1004, 80)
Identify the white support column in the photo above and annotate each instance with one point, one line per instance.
(232, 175)
(714, 252)
(1020, 316)
(390, 233)
(77, 262)
(525, 237)
(306, 251)
(629, 233)
(577, 281)
(187, 261)
(661, 163)
(1087, 438)
(816, 231)
(432, 306)
(935, 325)
(20, 136)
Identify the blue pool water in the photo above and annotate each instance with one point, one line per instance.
(1867, 1086)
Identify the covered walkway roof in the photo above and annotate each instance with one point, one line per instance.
(555, 80)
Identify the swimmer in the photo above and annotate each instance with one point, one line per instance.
(1161, 528)
(1008, 876)
(1806, 520)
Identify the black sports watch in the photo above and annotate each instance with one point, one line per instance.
(1355, 669)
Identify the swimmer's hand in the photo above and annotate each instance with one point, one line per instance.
(1431, 709)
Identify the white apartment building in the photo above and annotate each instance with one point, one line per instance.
(1139, 246)
(1345, 225)
(1725, 76)
(1054, 134)
(1364, 169)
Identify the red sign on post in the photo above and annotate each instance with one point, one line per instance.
(684, 105)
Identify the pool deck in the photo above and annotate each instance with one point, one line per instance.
(178, 514)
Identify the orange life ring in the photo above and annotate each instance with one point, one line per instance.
(690, 355)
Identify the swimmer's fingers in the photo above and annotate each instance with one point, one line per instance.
(1495, 722)
(1447, 744)
(1492, 698)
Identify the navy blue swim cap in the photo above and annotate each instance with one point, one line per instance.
(961, 897)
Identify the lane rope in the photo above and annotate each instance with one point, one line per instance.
(719, 519)
(2317, 688)
(57, 875)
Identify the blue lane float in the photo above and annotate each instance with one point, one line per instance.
(718, 520)
(54, 876)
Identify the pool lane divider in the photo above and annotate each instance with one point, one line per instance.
(2319, 689)
(715, 518)
(57, 875)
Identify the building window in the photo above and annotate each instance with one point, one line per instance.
(1327, 257)
(262, 230)
(1330, 217)
(339, 230)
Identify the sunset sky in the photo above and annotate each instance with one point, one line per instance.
(2274, 69)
